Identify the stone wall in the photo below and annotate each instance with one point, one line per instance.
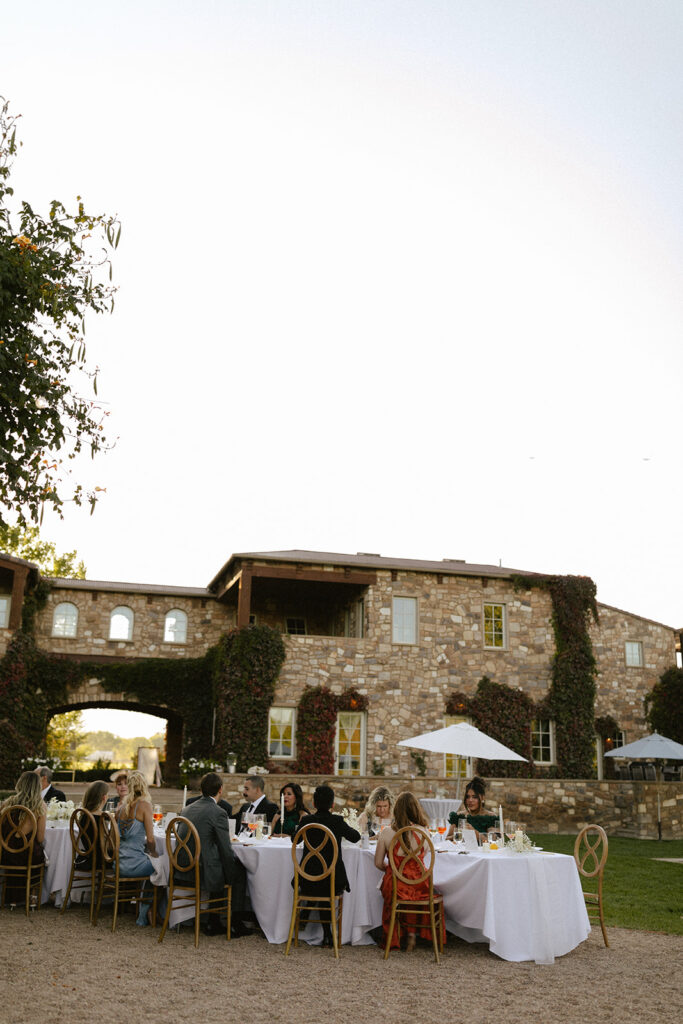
(627, 809)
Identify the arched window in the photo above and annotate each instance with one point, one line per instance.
(65, 619)
(121, 624)
(175, 627)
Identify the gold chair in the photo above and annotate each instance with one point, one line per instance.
(128, 889)
(415, 868)
(184, 850)
(324, 855)
(85, 846)
(17, 845)
(590, 859)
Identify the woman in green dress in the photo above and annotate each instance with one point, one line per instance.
(295, 809)
(475, 816)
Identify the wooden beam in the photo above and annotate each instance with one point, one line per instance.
(244, 599)
(343, 575)
(18, 589)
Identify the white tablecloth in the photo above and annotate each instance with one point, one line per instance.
(438, 808)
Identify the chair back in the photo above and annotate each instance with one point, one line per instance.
(183, 855)
(12, 837)
(109, 840)
(324, 853)
(84, 832)
(590, 851)
(411, 865)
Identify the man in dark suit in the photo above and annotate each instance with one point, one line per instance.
(257, 802)
(221, 803)
(49, 791)
(218, 865)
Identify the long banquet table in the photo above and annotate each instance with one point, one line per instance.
(525, 906)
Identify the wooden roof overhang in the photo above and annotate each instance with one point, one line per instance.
(243, 574)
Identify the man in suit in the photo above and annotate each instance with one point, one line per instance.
(218, 865)
(49, 791)
(256, 801)
(221, 803)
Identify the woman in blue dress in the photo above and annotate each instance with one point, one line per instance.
(136, 829)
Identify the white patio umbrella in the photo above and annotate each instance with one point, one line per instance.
(462, 740)
(651, 748)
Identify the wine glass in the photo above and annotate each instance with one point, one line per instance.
(441, 827)
(157, 815)
(253, 823)
(510, 827)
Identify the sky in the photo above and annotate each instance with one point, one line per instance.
(400, 277)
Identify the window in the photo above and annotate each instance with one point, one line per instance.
(281, 732)
(350, 744)
(600, 748)
(633, 651)
(121, 624)
(175, 627)
(457, 767)
(543, 741)
(5, 602)
(65, 619)
(494, 625)
(295, 626)
(404, 620)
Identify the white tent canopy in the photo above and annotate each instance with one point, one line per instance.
(462, 740)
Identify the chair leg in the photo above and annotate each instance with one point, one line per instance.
(229, 913)
(390, 932)
(167, 915)
(333, 925)
(294, 923)
(432, 921)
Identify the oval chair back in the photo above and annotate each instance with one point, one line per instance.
(318, 862)
(411, 858)
(123, 889)
(84, 833)
(15, 842)
(590, 854)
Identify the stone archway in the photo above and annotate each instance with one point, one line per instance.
(89, 693)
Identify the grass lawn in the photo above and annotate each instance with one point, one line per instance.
(638, 890)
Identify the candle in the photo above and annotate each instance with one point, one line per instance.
(184, 798)
(500, 819)
(282, 814)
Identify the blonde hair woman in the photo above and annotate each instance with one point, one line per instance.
(136, 827)
(380, 805)
(27, 792)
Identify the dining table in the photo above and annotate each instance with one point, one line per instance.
(524, 906)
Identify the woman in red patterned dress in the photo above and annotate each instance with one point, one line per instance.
(407, 811)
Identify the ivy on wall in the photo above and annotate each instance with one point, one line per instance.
(316, 726)
(571, 700)
(503, 713)
(245, 667)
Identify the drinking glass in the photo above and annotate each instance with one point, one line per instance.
(441, 827)
(157, 815)
(510, 827)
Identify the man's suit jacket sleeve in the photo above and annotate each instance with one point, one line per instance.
(223, 843)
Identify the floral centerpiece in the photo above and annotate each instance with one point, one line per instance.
(350, 816)
(60, 810)
(45, 760)
(196, 767)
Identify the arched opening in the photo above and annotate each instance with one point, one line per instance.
(173, 741)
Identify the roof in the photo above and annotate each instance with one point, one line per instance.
(128, 588)
(4, 557)
(370, 560)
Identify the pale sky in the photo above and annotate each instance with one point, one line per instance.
(395, 277)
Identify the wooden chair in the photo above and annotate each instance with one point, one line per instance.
(85, 845)
(17, 845)
(415, 868)
(184, 852)
(590, 859)
(324, 855)
(123, 889)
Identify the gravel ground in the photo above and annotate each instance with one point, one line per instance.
(58, 968)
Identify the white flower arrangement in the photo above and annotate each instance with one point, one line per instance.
(45, 760)
(59, 810)
(350, 816)
(256, 769)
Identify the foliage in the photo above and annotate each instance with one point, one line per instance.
(571, 700)
(246, 664)
(54, 270)
(458, 704)
(25, 542)
(316, 724)
(505, 714)
(192, 766)
(664, 705)
(47, 760)
(14, 749)
(378, 766)
(65, 737)
(352, 700)
(639, 890)
(420, 762)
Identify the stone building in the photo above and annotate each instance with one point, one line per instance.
(403, 632)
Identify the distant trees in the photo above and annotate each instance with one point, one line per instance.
(664, 705)
(25, 542)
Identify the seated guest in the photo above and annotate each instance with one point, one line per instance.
(94, 800)
(380, 805)
(136, 828)
(295, 809)
(120, 780)
(256, 801)
(27, 792)
(475, 816)
(218, 865)
(48, 791)
(323, 801)
(221, 803)
(406, 812)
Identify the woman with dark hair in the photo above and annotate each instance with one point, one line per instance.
(323, 801)
(407, 811)
(295, 810)
(474, 815)
(27, 793)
